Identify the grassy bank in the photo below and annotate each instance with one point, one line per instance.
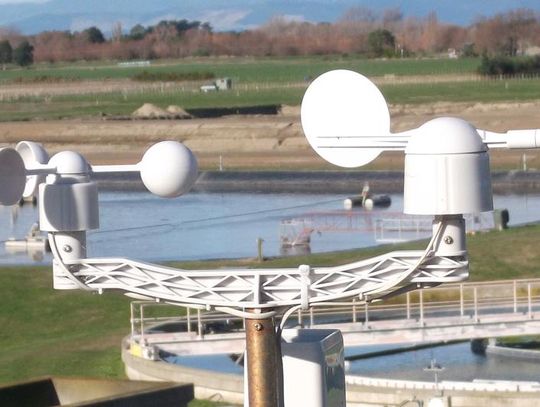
(61, 333)
(256, 81)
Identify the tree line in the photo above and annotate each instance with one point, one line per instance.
(360, 31)
(22, 55)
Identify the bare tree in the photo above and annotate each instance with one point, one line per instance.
(116, 32)
(508, 33)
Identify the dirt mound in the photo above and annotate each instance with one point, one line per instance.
(178, 113)
(150, 111)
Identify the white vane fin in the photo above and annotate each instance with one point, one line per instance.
(340, 111)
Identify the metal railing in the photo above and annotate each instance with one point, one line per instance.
(467, 300)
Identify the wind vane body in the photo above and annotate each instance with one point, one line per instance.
(347, 122)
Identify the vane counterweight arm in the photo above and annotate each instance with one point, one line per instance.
(511, 139)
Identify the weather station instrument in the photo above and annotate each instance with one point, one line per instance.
(347, 122)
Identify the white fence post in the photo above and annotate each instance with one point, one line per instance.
(366, 313)
(199, 323)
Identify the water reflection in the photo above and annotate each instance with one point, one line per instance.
(141, 226)
(460, 364)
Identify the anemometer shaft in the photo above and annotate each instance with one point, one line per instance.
(42, 169)
(45, 169)
(115, 168)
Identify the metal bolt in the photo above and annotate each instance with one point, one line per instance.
(67, 248)
(448, 240)
(258, 326)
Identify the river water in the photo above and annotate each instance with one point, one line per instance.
(141, 226)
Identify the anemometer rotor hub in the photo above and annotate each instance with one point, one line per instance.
(70, 163)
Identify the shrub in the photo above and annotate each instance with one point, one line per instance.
(23, 55)
(501, 65)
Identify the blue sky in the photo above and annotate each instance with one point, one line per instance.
(31, 16)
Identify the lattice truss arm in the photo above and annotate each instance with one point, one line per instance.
(261, 288)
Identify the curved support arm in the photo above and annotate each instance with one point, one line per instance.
(263, 288)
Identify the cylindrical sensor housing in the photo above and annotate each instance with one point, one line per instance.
(447, 170)
(68, 207)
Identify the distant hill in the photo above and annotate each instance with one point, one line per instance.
(75, 15)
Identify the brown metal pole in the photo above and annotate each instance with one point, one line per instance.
(262, 363)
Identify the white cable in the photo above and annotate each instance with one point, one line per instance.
(286, 316)
(414, 267)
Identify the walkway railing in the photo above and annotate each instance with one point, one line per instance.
(466, 303)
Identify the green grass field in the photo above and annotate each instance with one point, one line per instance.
(249, 70)
(116, 104)
(510, 90)
(256, 81)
